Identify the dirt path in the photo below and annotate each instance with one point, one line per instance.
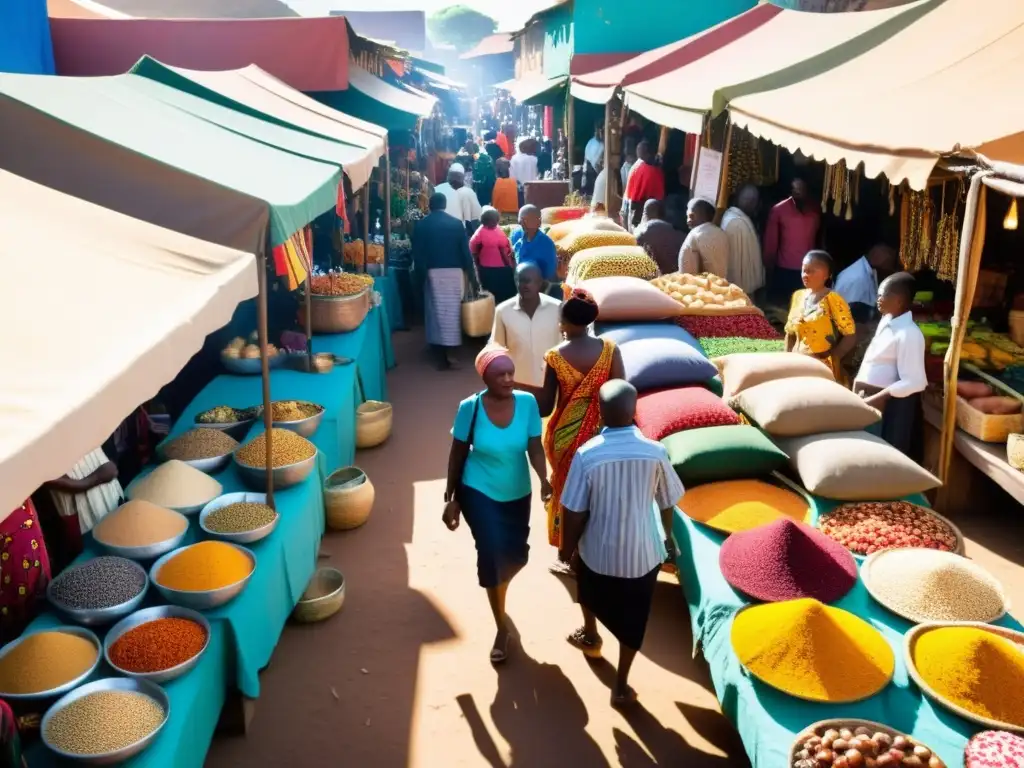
(401, 676)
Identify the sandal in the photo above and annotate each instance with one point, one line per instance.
(558, 568)
(624, 700)
(590, 648)
(500, 655)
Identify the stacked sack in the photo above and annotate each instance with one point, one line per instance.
(574, 238)
(558, 214)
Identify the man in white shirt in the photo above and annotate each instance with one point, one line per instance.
(528, 325)
(462, 201)
(706, 247)
(616, 482)
(597, 200)
(523, 165)
(593, 150)
(746, 267)
(858, 283)
(892, 376)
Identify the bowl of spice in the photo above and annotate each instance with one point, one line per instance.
(140, 530)
(157, 644)
(175, 485)
(294, 457)
(243, 518)
(205, 449)
(866, 527)
(973, 670)
(99, 591)
(855, 743)
(235, 422)
(107, 721)
(48, 663)
(298, 416)
(204, 575)
(926, 585)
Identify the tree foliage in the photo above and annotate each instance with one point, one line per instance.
(460, 27)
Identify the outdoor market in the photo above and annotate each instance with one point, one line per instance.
(713, 336)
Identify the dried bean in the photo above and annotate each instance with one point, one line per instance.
(287, 448)
(104, 721)
(200, 443)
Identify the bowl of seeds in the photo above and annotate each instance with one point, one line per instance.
(293, 457)
(235, 422)
(298, 416)
(158, 644)
(139, 530)
(48, 663)
(208, 450)
(243, 518)
(204, 575)
(107, 721)
(99, 591)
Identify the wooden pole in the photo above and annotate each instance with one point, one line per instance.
(663, 141)
(696, 158)
(387, 206)
(570, 129)
(608, 188)
(366, 224)
(723, 181)
(309, 320)
(261, 323)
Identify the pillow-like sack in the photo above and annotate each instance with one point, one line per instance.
(803, 405)
(665, 412)
(609, 261)
(586, 224)
(722, 453)
(744, 370)
(560, 213)
(620, 334)
(655, 363)
(626, 299)
(855, 466)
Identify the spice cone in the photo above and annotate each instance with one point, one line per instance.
(786, 560)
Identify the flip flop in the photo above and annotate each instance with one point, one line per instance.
(624, 700)
(561, 569)
(500, 655)
(590, 649)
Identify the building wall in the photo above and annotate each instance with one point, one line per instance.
(613, 26)
(558, 40)
(529, 51)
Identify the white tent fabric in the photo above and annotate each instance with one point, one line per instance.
(99, 311)
(412, 101)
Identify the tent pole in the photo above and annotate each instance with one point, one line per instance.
(570, 128)
(309, 321)
(387, 206)
(261, 322)
(366, 224)
(607, 156)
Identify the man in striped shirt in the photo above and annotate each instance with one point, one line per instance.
(617, 482)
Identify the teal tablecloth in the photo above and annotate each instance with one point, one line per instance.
(387, 286)
(768, 720)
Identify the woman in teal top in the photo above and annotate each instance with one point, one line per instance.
(495, 440)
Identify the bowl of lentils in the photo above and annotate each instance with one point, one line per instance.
(158, 644)
(293, 457)
(208, 450)
(107, 721)
(243, 518)
(99, 591)
(299, 416)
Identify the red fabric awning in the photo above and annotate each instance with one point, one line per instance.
(309, 54)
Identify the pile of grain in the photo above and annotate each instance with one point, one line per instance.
(104, 721)
(45, 660)
(139, 524)
(175, 485)
(200, 443)
(287, 447)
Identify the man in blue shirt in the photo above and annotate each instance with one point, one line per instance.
(533, 246)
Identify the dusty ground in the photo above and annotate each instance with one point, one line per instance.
(401, 676)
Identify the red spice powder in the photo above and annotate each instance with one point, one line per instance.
(744, 326)
(158, 645)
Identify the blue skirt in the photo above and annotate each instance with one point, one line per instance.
(501, 530)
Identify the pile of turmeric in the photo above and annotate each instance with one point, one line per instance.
(732, 506)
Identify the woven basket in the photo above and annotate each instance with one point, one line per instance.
(987, 427)
(373, 423)
(324, 596)
(1015, 451)
(338, 314)
(348, 498)
(478, 316)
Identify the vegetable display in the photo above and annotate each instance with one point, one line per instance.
(867, 527)
(861, 746)
(704, 294)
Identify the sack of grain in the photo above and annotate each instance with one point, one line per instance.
(562, 213)
(586, 224)
(581, 241)
(705, 294)
(609, 261)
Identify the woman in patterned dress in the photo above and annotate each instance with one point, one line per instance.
(820, 323)
(24, 570)
(576, 369)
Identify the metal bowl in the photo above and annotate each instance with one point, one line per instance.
(250, 366)
(206, 599)
(95, 617)
(70, 684)
(284, 477)
(246, 537)
(303, 427)
(152, 690)
(236, 429)
(145, 552)
(145, 616)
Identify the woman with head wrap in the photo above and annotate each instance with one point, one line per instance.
(495, 441)
(576, 369)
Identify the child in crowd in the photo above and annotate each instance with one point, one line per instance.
(493, 255)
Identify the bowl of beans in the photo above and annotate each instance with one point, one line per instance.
(298, 416)
(157, 644)
(204, 575)
(293, 457)
(208, 450)
(866, 527)
(99, 591)
(107, 721)
(243, 518)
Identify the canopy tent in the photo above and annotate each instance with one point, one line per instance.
(937, 86)
(371, 98)
(599, 86)
(71, 383)
(439, 81)
(787, 46)
(534, 88)
(308, 54)
(112, 141)
(255, 92)
(193, 9)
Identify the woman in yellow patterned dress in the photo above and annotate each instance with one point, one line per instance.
(820, 323)
(576, 369)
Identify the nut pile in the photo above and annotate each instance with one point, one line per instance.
(102, 582)
(708, 293)
(293, 410)
(286, 447)
(846, 748)
(867, 527)
(927, 585)
(200, 443)
(241, 517)
(104, 721)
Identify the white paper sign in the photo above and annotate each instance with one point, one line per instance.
(709, 172)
